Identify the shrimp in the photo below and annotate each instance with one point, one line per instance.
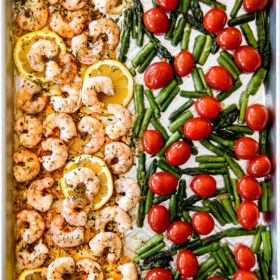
(70, 104)
(73, 5)
(64, 72)
(64, 122)
(35, 16)
(132, 193)
(113, 214)
(105, 240)
(96, 130)
(34, 259)
(36, 225)
(121, 127)
(122, 153)
(91, 268)
(59, 267)
(28, 165)
(86, 176)
(30, 131)
(67, 29)
(35, 195)
(71, 215)
(105, 6)
(59, 154)
(63, 238)
(84, 53)
(26, 101)
(92, 87)
(39, 51)
(128, 271)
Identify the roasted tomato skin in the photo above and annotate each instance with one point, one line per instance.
(256, 117)
(203, 185)
(152, 141)
(215, 20)
(203, 223)
(246, 148)
(229, 38)
(156, 21)
(252, 6)
(187, 263)
(259, 166)
(178, 153)
(184, 63)
(249, 188)
(208, 107)
(248, 215)
(159, 219)
(244, 275)
(219, 78)
(197, 129)
(158, 274)
(163, 183)
(179, 232)
(244, 257)
(168, 5)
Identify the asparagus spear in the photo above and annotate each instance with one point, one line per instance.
(185, 6)
(181, 193)
(204, 82)
(211, 165)
(209, 159)
(257, 240)
(267, 250)
(160, 198)
(172, 23)
(151, 251)
(262, 265)
(226, 117)
(236, 8)
(175, 125)
(186, 37)
(164, 93)
(230, 59)
(243, 106)
(222, 211)
(196, 10)
(149, 201)
(140, 29)
(141, 170)
(228, 206)
(215, 4)
(178, 32)
(137, 125)
(241, 19)
(173, 207)
(198, 46)
(264, 206)
(256, 81)
(149, 244)
(249, 36)
(145, 123)
(240, 128)
(159, 128)
(226, 261)
(139, 92)
(165, 166)
(224, 63)
(262, 142)
(199, 171)
(181, 110)
(173, 138)
(208, 145)
(225, 94)
(125, 36)
(230, 256)
(197, 81)
(206, 50)
(220, 263)
(206, 249)
(143, 54)
(147, 62)
(236, 195)
(153, 103)
(205, 266)
(214, 211)
(219, 140)
(234, 166)
(134, 23)
(192, 94)
(170, 98)
(228, 186)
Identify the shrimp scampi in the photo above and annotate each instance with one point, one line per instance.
(91, 268)
(73, 5)
(105, 6)
(128, 271)
(59, 267)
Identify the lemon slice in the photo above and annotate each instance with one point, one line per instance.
(33, 274)
(121, 77)
(118, 9)
(22, 48)
(104, 175)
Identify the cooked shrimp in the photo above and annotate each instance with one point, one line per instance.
(92, 87)
(25, 98)
(105, 240)
(67, 29)
(128, 271)
(35, 195)
(108, 27)
(83, 175)
(113, 214)
(59, 267)
(31, 260)
(36, 225)
(96, 130)
(64, 122)
(59, 154)
(73, 5)
(105, 6)
(84, 53)
(132, 193)
(64, 72)
(63, 238)
(35, 15)
(91, 268)
(121, 127)
(122, 153)
(30, 131)
(40, 50)
(28, 165)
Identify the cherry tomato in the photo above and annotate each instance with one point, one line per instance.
(163, 183)
(178, 153)
(259, 166)
(215, 20)
(246, 148)
(244, 257)
(159, 219)
(202, 223)
(229, 38)
(152, 141)
(168, 5)
(197, 128)
(208, 107)
(184, 63)
(252, 6)
(244, 275)
(179, 232)
(187, 263)
(256, 117)
(248, 214)
(247, 59)
(158, 274)
(249, 188)
(156, 21)
(158, 75)
(219, 78)
(203, 185)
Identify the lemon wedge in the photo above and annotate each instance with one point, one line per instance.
(33, 274)
(118, 9)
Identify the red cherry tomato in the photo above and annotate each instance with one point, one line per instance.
(158, 75)
(249, 188)
(256, 117)
(204, 185)
(246, 148)
(179, 232)
(158, 274)
(259, 166)
(229, 38)
(248, 214)
(168, 5)
(163, 183)
(152, 142)
(244, 257)
(197, 128)
(202, 223)
(219, 78)
(215, 278)
(178, 153)
(184, 63)
(247, 59)
(252, 6)
(208, 107)
(215, 20)
(244, 275)
(159, 219)
(156, 21)
(187, 263)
